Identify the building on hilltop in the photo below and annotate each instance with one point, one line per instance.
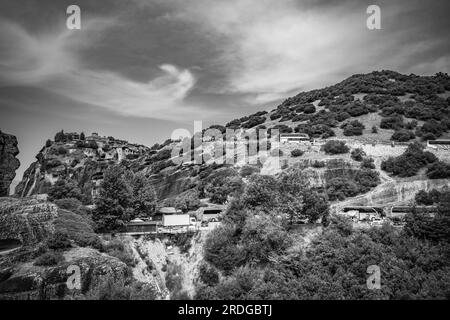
(293, 137)
(442, 144)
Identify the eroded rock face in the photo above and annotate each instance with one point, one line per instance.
(28, 221)
(29, 282)
(25, 226)
(8, 161)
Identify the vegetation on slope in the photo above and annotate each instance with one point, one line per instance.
(260, 261)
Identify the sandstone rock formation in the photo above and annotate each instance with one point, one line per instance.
(8, 161)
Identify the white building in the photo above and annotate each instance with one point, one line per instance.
(293, 137)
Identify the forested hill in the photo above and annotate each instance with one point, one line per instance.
(409, 105)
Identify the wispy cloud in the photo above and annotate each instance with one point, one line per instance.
(271, 48)
(53, 62)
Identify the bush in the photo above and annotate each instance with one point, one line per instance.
(410, 162)
(309, 108)
(208, 275)
(49, 259)
(403, 135)
(63, 189)
(174, 278)
(439, 170)
(59, 240)
(297, 153)
(117, 249)
(367, 163)
(335, 147)
(61, 150)
(248, 170)
(276, 153)
(395, 122)
(428, 198)
(111, 288)
(353, 128)
(374, 129)
(358, 154)
(318, 164)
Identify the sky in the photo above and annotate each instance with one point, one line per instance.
(139, 69)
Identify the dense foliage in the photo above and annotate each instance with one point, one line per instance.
(410, 162)
(266, 264)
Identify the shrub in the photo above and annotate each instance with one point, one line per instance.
(439, 170)
(59, 240)
(117, 249)
(335, 147)
(248, 170)
(410, 162)
(358, 154)
(353, 128)
(374, 129)
(339, 188)
(276, 153)
(367, 163)
(428, 198)
(49, 259)
(79, 228)
(63, 189)
(318, 164)
(111, 288)
(428, 136)
(282, 128)
(174, 278)
(208, 275)
(253, 121)
(61, 150)
(309, 108)
(395, 122)
(297, 153)
(403, 135)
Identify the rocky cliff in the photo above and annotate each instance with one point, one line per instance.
(80, 160)
(8, 161)
(28, 229)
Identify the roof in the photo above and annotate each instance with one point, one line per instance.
(445, 142)
(168, 210)
(294, 135)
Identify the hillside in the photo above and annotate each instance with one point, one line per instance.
(367, 111)
(367, 146)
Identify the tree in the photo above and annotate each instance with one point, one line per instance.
(335, 147)
(143, 195)
(402, 135)
(353, 128)
(296, 153)
(112, 205)
(82, 136)
(65, 189)
(60, 136)
(358, 154)
(260, 191)
(410, 162)
(438, 170)
(48, 143)
(222, 186)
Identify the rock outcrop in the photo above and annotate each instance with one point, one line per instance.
(26, 220)
(26, 225)
(8, 161)
(29, 282)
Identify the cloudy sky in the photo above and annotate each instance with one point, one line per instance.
(139, 69)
